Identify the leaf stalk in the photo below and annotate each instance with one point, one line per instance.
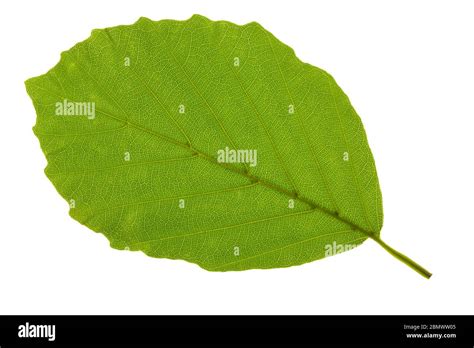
(403, 258)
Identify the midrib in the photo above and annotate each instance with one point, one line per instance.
(253, 178)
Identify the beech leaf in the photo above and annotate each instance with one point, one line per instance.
(208, 142)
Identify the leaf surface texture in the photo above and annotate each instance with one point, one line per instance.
(168, 96)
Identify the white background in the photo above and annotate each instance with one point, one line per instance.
(408, 68)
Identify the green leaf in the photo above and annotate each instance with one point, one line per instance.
(208, 142)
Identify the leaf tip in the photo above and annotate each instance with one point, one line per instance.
(199, 18)
(144, 19)
(254, 24)
(28, 84)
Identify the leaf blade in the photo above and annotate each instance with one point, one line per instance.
(190, 64)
